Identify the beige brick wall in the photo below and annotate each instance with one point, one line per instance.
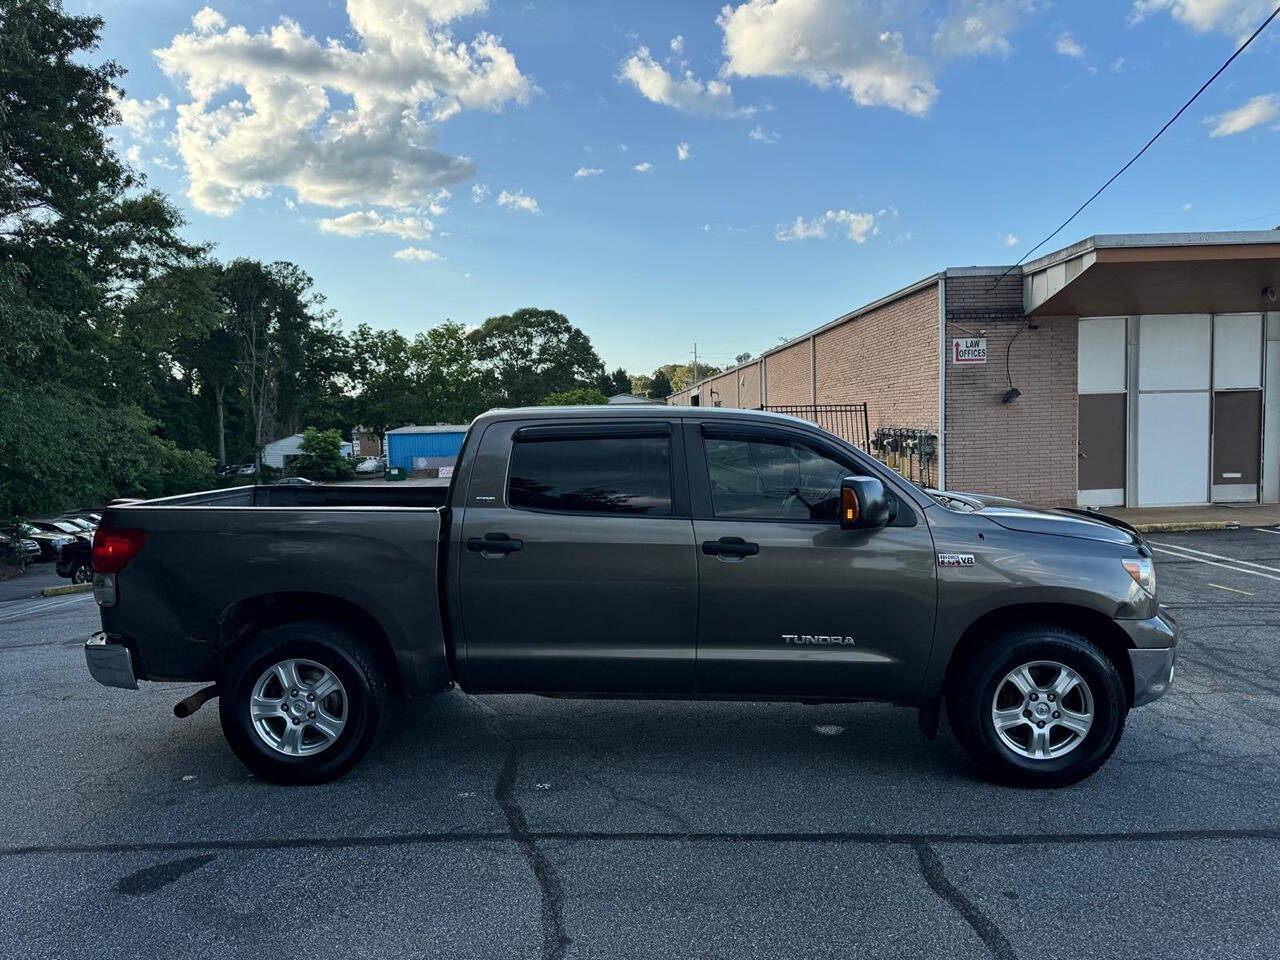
(749, 387)
(1025, 449)
(722, 390)
(789, 375)
(888, 358)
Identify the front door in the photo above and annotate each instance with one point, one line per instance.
(791, 605)
(577, 568)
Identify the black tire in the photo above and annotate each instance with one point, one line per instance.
(363, 682)
(973, 688)
(81, 573)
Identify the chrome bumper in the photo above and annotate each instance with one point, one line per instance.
(110, 663)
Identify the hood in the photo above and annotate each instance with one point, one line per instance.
(1057, 521)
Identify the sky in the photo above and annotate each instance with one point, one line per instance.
(670, 173)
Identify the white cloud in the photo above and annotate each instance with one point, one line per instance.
(1068, 45)
(588, 172)
(1261, 109)
(208, 19)
(518, 201)
(687, 93)
(677, 45)
(828, 43)
(643, 167)
(1186, 208)
(416, 253)
(762, 135)
(1010, 240)
(1238, 18)
(260, 112)
(856, 226)
(359, 223)
(134, 156)
(140, 117)
(479, 192)
(682, 151)
(980, 27)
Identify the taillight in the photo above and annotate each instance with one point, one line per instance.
(112, 549)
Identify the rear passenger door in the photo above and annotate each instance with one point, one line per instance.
(791, 605)
(577, 565)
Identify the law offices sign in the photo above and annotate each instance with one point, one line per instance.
(969, 350)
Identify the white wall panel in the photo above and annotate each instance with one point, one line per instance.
(1237, 350)
(1173, 447)
(1174, 352)
(1101, 358)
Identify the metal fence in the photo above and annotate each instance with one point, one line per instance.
(912, 451)
(846, 420)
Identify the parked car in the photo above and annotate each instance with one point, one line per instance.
(28, 550)
(50, 542)
(93, 516)
(75, 562)
(66, 526)
(371, 465)
(293, 481)
(637, 552)
(83, 523)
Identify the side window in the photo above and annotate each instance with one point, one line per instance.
(770, 478)
(623, 475)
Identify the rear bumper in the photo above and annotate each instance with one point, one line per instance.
(1153, 655)
(110, 662)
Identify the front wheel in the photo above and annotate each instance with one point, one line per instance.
(82, 573)
(302, 703)
(1042, 707)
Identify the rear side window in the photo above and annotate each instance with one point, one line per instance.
(771, 478)
(622, 475)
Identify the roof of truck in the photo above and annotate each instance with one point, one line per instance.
(646, 412)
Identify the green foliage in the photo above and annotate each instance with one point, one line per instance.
(619, 381)
(533, 352)
(577, 397)
(320, 456)
(680, 375)
(659, 385)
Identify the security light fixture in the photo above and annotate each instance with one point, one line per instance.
(1010, 395)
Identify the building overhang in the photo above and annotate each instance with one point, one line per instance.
(1159, 273)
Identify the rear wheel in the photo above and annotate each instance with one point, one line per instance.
(81, 573)
(302, 703)
(1041, 707)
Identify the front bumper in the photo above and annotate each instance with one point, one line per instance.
(1153, 655)
(110, 662)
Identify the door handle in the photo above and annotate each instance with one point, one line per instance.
(734, 547)
(494, 543)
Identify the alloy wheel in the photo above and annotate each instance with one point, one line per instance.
(298, 707)
(1042, 710)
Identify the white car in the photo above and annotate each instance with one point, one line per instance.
(371, 465)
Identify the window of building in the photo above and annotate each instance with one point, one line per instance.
(771, 478)
(622, 475)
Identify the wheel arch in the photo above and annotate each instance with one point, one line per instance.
(1091, 624)
(248, 618)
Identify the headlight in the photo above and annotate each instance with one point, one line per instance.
(1143, 572)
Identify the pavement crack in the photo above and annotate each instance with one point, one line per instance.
(986, 929)
(151, 879)
(554, 940)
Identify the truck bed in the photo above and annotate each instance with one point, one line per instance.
(313, 495)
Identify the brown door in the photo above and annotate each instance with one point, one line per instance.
(1237, 438)
(1102, 435)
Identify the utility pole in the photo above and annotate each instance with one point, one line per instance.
(694, 381)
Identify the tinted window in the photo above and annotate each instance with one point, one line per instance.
(773, 479)
(628, 475)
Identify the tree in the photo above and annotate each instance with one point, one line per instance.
(534, 352)
(320, 456)
(577, 397)
(619, 381)
(659, 385)
(742, 358)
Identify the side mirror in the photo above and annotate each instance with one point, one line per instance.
(864, 504)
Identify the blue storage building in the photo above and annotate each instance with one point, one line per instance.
(438, 445)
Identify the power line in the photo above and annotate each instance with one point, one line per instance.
(1134, 159)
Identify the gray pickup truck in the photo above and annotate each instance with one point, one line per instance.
(647, 552)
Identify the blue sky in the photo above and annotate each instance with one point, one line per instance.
(835, 150)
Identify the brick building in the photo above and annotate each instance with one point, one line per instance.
(1135, 369)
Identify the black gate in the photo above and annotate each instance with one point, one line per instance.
(848, 421)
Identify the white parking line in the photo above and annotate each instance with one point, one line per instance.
(1215, 563)
(13, 612)
(1217, 556)
(1264, 530)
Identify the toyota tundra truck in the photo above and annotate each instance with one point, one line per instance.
(645, 552)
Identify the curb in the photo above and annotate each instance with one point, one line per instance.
(69, 588)
(1184, 526)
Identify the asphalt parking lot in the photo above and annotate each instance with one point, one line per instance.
(526, 827)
